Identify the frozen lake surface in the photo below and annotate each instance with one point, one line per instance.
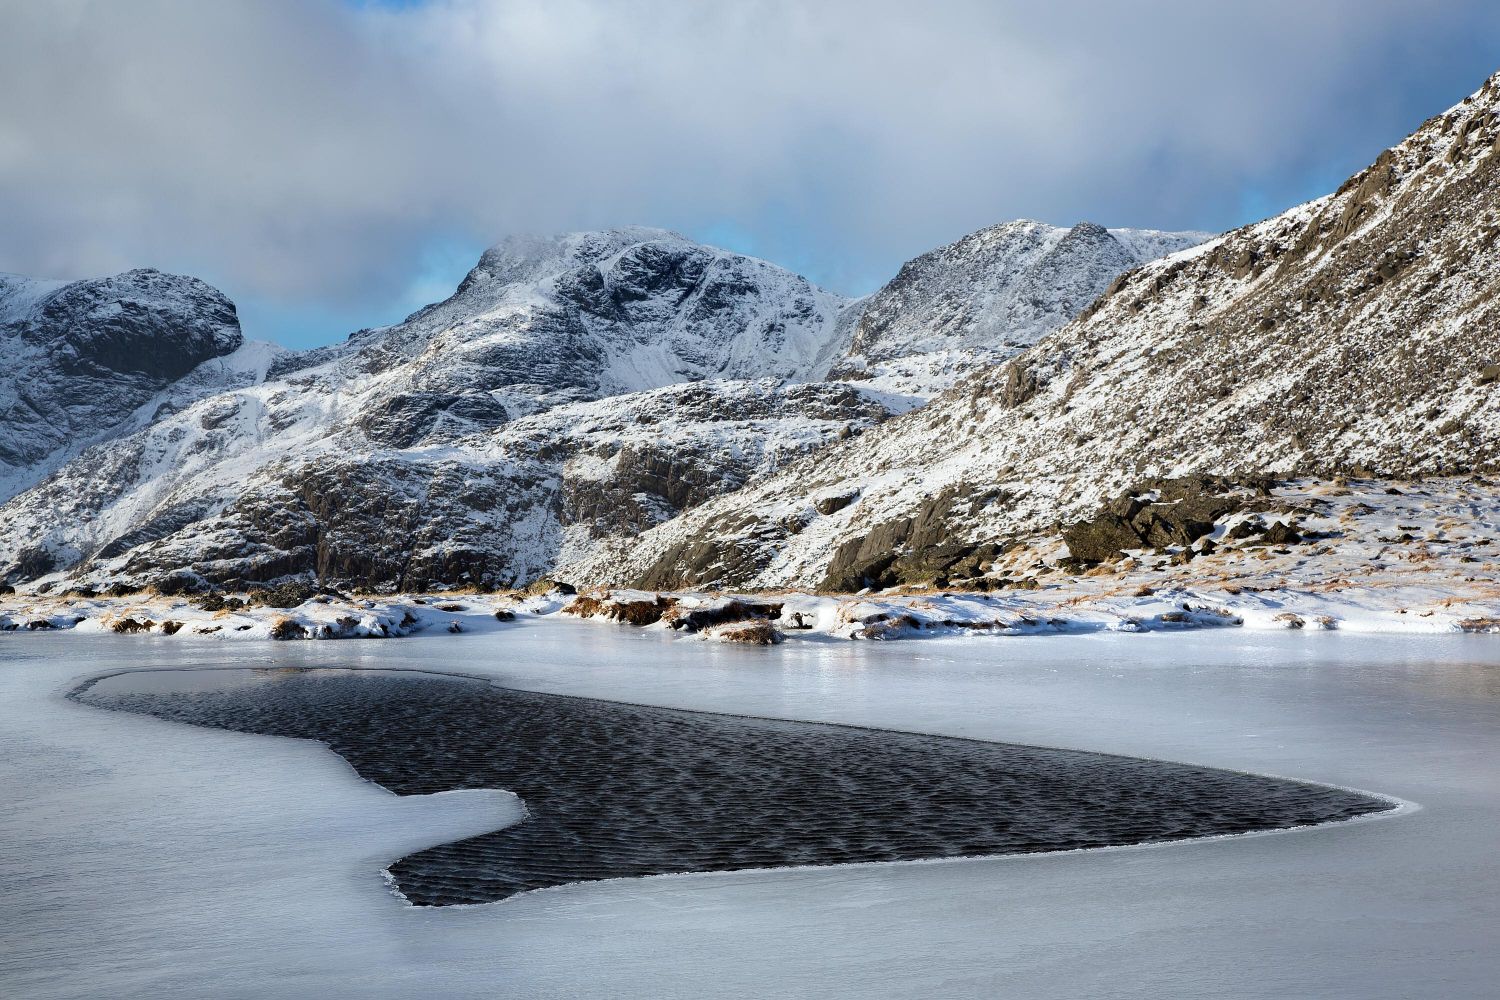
(144, 858)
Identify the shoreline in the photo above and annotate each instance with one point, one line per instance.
(1091, 605)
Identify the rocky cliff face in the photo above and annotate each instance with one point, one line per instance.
(1354, 334)
(83, 357)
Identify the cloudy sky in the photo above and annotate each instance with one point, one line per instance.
(333, 164)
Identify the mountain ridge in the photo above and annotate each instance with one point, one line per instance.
(573, 391)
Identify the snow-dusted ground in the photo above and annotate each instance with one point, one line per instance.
(1423, 557)
(147, 859)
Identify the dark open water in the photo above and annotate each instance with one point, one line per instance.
(616, 790)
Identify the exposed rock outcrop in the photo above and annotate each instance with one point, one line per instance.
(1154, 514)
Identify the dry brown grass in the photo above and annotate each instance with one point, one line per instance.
(757, 632)
(633, 612)
(287, 628)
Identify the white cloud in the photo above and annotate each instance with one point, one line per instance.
(305, 153)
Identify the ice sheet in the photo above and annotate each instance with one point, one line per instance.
(144, 858)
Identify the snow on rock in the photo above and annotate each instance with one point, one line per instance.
(1422, 559)
(574, 391)
(325, 616)
(87, 361)
(1357, 555)
(572, 388)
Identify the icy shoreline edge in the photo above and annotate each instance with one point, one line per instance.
(771, 618)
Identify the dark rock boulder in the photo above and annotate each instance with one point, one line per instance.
(1281, 533)
(1185, 509)
(1182, 522)
(697, 619)
(1102, 538)
(287, 595)
(836, 503)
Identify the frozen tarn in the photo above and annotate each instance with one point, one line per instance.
(157, 860)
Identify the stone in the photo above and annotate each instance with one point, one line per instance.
(1101, 539)
(697, 619)
(1281, 533)
(286, 595)
(833, 504)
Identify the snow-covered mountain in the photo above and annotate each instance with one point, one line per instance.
(591, 314)
(573, 392)
(588, 383)
(1355, 334)
(89, 360)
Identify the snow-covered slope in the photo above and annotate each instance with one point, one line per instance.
(1354, 334)
(88, 360)
(996, 292)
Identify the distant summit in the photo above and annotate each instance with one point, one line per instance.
(1002, 287)
(82, 356)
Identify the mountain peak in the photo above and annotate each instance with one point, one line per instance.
(1089, 230)
(81, 356)
(1001, 287)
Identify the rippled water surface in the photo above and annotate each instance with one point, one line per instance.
(615, 790)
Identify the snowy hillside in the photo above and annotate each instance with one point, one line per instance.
(1351, 335)
(88, 360)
